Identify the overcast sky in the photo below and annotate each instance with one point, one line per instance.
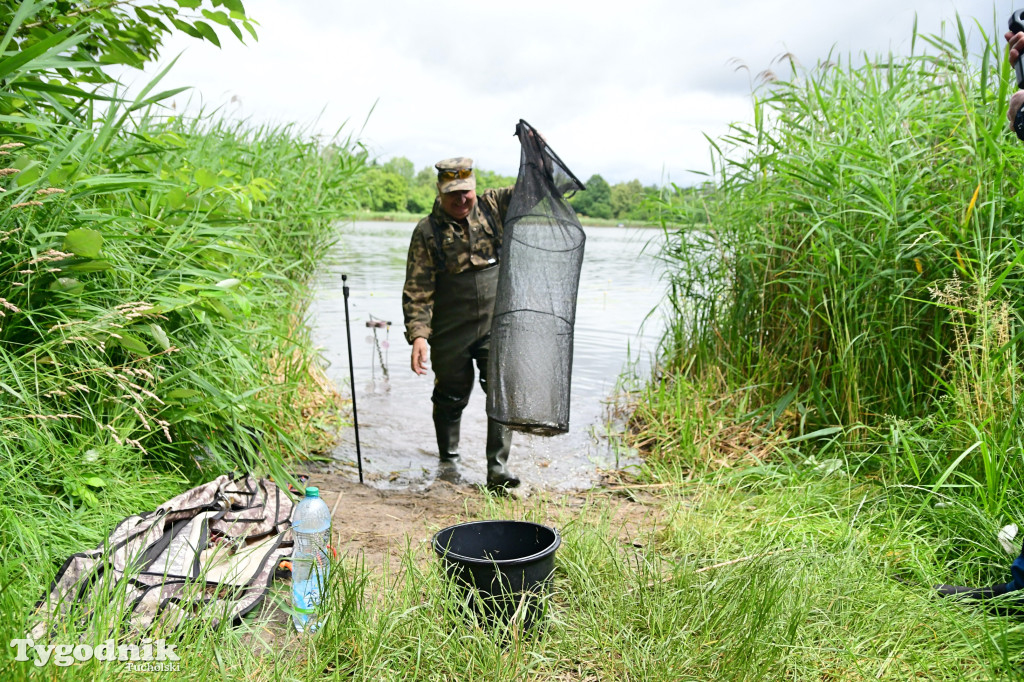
(626, 90)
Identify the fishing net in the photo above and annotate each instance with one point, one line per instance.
(530, 367)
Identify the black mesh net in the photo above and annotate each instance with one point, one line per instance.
(530, 368)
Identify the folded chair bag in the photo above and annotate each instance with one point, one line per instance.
(210, 552)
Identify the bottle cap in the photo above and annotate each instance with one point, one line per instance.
(312, 491)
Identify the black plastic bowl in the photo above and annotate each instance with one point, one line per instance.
(509, 563)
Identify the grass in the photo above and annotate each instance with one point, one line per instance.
(151, 327)
(761, 573)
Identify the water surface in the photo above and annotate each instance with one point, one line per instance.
(620, 286)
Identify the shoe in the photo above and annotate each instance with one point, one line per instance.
(990, 599)
(502, 481)
(970, 593)
(447, 432)
(448, 472)
(499, 443)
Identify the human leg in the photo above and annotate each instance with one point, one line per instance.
(453, 382)
(499, 436)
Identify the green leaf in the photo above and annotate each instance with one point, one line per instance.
(26, 10)
(228, 283)
(235, 6)
(190, 4)
(83, 242)
(95, 482)
(160, 96)
(10, 390)
(182, 394)
(820, 433)
(114, 53)
(68, 285)
(69, 90)
(90, 266)
(218, 307)
(257, 192)
(208, 32)
(60, 175)
(175, 198)
(160, 336)
(218, 17)
(113, 182)
(57, 42)
(186, 28)
(172, 139)
(243, 305)
(29, 175)
(132, 343)
(205, 178)
(86, 496)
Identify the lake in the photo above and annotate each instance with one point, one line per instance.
(618, 326)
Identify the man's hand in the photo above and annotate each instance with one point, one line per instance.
(419, 355)
(1016, 102)
(1015, 42)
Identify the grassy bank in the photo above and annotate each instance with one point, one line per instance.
(395, 217)
(153, 286)
(847, 345)
(783, 572)
(858, 281)
(415, 218)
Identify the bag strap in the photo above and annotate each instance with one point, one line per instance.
(440, 262)
(489, 217)
(431, 233)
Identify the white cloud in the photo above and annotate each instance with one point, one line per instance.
(624, 90)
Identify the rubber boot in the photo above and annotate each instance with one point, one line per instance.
(499, 442)
(447, 431)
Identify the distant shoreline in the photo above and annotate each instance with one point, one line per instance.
(396, 217)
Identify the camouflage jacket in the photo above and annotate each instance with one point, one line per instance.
(471, 247)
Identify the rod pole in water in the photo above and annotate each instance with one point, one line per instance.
(352, 377)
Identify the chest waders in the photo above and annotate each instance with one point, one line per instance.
(460, 338)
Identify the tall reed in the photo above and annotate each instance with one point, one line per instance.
(835, 220)
(153, 287)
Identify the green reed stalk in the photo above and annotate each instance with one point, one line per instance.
(861, 234)
(153, 286)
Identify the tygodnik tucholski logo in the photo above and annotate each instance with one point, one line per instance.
(149, 655)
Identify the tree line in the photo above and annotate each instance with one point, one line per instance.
(395, 186)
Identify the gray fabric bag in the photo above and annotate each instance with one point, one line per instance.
(211, 552)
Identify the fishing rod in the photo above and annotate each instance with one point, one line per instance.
(352, 377)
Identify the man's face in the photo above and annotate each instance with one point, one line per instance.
(459, 203)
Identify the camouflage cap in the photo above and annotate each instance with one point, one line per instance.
(449, 179)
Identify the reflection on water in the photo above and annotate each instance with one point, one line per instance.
(619, 286)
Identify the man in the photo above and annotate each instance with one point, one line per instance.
(448, 301)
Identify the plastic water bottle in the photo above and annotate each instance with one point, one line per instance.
(311, 529)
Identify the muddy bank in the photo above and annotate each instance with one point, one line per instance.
(374, 528)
